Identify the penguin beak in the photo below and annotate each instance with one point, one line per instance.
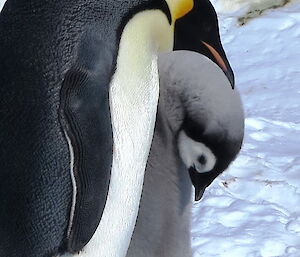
(199, 31)
(199, 188)
(201, 181)
(219, 57)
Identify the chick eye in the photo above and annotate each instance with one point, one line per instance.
(202, 159)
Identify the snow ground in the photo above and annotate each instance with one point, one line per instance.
(253, 209)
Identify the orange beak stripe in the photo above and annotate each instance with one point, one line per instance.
(217, 56)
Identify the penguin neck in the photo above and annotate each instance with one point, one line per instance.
(134, 94)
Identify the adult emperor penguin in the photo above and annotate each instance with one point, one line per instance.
(198, 133)
(79, 90)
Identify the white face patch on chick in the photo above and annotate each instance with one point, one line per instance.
(195, 154)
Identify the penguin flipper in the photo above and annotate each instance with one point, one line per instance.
(85, 118)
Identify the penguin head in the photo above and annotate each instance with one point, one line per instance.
(204, 113)
(198, 31)
(212, 129)
(207, 152)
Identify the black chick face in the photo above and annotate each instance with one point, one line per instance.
(206, 155)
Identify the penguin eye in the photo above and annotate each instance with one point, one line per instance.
(202, 159)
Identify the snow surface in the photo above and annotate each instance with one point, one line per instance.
(253, 209)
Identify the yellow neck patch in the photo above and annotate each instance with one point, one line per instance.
(179, 8)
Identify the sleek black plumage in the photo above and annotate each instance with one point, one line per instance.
(50, 59)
